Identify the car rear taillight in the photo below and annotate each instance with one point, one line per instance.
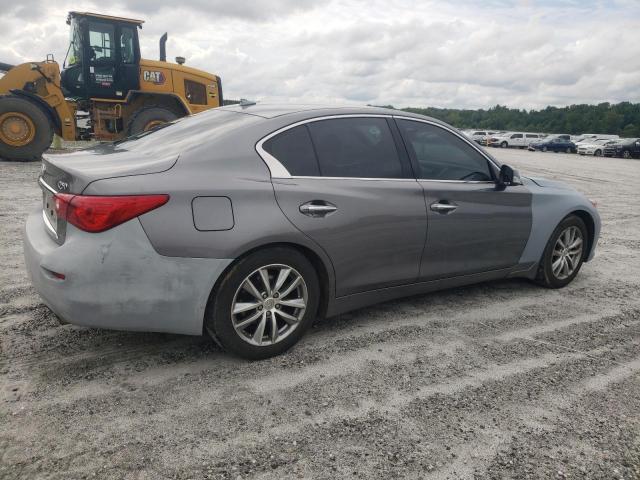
(98, 213)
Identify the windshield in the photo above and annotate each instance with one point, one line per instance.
(74, 54)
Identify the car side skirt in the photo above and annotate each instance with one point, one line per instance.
(352, 302)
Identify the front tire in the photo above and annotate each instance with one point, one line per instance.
(626, 154)
(264, 304)
(564, 254)
(504, 144)
(544, 149)
(598, 153)
(25, 130)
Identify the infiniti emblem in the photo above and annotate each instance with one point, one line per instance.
(62, 185)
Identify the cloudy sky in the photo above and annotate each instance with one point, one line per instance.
(462, 54)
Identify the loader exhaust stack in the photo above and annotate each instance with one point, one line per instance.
(163, 48)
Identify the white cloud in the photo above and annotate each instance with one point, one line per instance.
(466, 54)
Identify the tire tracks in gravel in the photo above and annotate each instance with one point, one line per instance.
(516, 378)
(490, 372)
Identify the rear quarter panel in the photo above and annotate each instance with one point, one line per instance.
(228, 167)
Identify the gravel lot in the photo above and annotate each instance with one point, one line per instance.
(499, 380)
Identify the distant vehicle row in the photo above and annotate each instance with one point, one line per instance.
(586, 144)
(599, 147)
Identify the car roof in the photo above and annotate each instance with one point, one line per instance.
(272, 110)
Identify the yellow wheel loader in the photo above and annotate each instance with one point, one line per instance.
(105, 91)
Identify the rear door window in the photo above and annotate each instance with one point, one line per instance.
(356, 147)
(441, 155)
(293, 149)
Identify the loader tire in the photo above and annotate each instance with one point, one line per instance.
(148, 118)
(25, 130)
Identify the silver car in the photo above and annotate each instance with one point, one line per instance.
(249, 222)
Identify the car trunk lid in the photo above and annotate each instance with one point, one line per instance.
(72, 173)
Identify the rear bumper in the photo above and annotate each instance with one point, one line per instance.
(116, 280)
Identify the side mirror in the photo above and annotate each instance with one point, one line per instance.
(508, 176)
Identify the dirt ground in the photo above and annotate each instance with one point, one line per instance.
(499, 380)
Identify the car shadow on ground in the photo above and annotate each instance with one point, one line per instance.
(69, 353)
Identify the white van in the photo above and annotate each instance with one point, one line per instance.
(514, 139)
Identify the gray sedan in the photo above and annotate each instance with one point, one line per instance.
(249, 222)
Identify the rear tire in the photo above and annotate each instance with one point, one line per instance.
(233, 295)
(148, 118)
(568, 241)
(25, 130)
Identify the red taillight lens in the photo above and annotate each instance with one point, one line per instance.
(96, 213)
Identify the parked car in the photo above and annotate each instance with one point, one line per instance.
(625, 147)
(554, 144)
(593, 147)
(562, 136)
(479, 136)
(513, 139)
(249, 222)
(587, 137)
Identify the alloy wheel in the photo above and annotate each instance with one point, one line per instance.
(567, 253)
(269, 304)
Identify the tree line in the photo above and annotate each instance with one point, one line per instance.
(620, 119)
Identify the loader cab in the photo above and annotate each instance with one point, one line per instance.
(103, 57)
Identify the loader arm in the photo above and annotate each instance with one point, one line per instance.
(40, 82)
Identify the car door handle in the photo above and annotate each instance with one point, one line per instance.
(317, 208)
(443, 207)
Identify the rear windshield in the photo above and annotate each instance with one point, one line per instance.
(186, 132)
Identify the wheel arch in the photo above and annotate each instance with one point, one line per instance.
(591, 229)
(42, 105)
(325, 279)
(139, 99)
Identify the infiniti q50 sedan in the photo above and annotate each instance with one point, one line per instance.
(249, 222)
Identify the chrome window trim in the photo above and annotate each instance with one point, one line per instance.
(302, 177)
(279, 172)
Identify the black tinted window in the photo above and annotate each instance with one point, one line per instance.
(516, 135)
(294, 150)
(196, 92)
(127, 53)
(356, 147)
(441, 155)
